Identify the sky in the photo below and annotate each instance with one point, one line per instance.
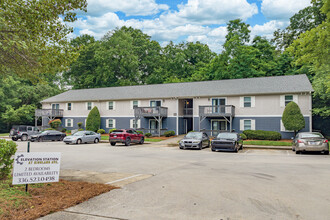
(186, 20)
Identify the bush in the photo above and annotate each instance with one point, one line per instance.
(7, 150)
(55, 123)
(147, 135)
(101, 131)
(111, 130)
(68, 131)
(81, 129)
(93, 121)
(243, 136)
(262, 135)
(79, 124)
(292, 118)
(49, 129)
(169, 133)
(139, 132)
(63, 130)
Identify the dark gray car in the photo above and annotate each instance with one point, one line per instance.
(197, 140)
(310, 141)
(227, 141)
(23, 132)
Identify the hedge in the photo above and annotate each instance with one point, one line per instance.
(7, 150)
(243, 136)
(101, 131)
(169, 133)
(262, 135)
(93, 121)
(148, 134)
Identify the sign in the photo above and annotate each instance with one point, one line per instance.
(36, 167)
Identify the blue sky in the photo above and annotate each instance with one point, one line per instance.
(187, 20)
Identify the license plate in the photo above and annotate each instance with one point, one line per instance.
(312, 143)
(115, 136)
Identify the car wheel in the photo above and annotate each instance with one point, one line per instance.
(113, 143)
(128, 142)
(66, 143)
(236, 149)
(180, 147)
(61, 139)
(40, 139)
(242, 147)
(14, 139)
(96, 140)
(200, 146)
(24, 137)
(79, 141)
(293, 149)
(326, 152)
(297, 152)
(142, 140)
(212, 149)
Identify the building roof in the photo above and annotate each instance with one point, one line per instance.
(228, 87)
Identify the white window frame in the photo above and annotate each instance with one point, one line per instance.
(282, 99)
(67, 122)
(113, 105)
(155, 100)
(131, 122)
(253, 101)
(282, 128)
(92, 105)
(67, 106)
(113, 123)
(55, 104)
(253, 124)
(132, 106)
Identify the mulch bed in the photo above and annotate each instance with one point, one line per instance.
(53, 197)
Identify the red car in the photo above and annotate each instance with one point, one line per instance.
(126, 136)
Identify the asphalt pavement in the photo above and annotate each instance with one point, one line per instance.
(193, 184)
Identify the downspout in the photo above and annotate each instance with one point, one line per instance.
(310, 110)
(177, 117)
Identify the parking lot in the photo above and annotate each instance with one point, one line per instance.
(168, 183)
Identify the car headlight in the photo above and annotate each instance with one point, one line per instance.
(196, 142)
(181, 142)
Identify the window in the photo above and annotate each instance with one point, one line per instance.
(110, 123)
(135, 103)
(55, 106)
(110, 105)
(247, 101)
(29, 128)
(89, 106)
(69, 106)
(134, 124)
(155, 103)
(247, 125)
(288, 99)
(68, 122)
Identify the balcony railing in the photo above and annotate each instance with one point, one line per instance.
(188, 112)
(157, 111)
(49, 112)
(216, 110)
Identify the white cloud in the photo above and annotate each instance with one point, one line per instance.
(282, 9)
(268, 28)
(207, 12)
(130, 8)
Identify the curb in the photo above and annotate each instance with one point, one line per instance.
(268, 147)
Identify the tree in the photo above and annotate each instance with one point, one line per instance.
(33, 37)
(292, 118)
(93, 121)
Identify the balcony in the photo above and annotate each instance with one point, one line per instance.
(217, 111)
(188, 112)
(156, 111)
(50, 113)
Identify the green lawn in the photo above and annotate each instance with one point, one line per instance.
(104, 138)
(267, 143)
(4, 134)
(152, 140)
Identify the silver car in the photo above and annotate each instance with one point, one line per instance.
(82, 137)
(310, 141)
(195, 140)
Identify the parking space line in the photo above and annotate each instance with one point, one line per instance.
(246, 151)
(129, 177)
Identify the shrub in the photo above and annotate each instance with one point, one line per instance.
(55, 123)
(68, 131)
(169, 133)
(139, 132)
(79, 124)
(49, 129)
(63, 130)
(292, 118)
(243, 136)
(101, 131)
(111, 130)
(93, 121)
(262, 135)
(7, 150)
(147, 135)
(80, 129)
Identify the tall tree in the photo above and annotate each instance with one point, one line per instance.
(33, 37)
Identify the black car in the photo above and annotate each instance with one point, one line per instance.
(49, 135)
(227, 141)
(23, 132)
(196, 140)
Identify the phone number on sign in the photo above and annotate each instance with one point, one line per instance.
(36, 179)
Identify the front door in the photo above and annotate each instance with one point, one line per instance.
(217, 126)
(185, 126)
(153, 125)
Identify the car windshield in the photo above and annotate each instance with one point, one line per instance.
(79, 133)
(227, 136)
(311, 135)
(193, 135)
(117, 131)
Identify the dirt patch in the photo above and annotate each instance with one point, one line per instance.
(52, 197)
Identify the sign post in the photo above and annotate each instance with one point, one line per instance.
(36, 167)
(28, 150)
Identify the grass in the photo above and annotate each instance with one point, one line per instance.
(104, 138)
(267, 143)
(4, 134)
(153, 140)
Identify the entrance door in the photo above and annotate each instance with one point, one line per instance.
(218, 125)
(218, 105)
(153, 126)
(185, 126)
